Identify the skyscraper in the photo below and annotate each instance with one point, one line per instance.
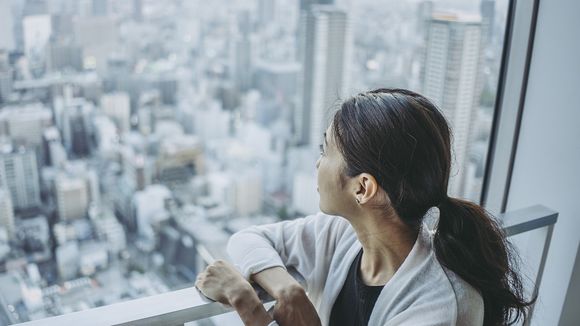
(72, 197)
(242, 53)
(6, 26)
(6, 213)
(5, 77)
(487, 8)
(324, 46)
(37, 32)
(72, 116)
(117, 106)
(24, 124)
(451, 80)
(19, 176)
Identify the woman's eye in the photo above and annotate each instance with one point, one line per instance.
(321, 149)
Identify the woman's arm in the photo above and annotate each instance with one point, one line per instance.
(223, 283)
(304, 244)
(292, 304)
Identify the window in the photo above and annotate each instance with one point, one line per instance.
(156, 129)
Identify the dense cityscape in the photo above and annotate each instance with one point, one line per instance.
(136, 136)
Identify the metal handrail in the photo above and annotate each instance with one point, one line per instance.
(183, 306)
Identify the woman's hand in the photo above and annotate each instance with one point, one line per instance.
(223, 283)
(292, 305)
(294, 308)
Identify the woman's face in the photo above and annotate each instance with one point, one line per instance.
(334, 197)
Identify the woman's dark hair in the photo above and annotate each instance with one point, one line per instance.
(404, 141)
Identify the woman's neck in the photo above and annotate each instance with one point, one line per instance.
(386, 243)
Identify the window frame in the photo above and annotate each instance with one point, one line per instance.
(509, 105)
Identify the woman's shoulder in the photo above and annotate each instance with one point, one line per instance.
(320, 221)
(426, 291)
(468, 300)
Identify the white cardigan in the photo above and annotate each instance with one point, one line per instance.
(322, 247)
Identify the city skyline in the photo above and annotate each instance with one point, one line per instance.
(137, 136)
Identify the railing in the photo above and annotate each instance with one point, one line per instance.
(183, 306)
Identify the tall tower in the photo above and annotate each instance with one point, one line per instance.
(7, 41)
(6, 213)
(487, 9)
(72, 197)
(451, 80)
(242, 53)
(19, 176)
(324, 51)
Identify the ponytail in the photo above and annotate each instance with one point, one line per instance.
(472, 245)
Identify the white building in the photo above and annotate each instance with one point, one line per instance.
(19, 176)
(6, 213)
(109, 229)
(118, 107)
(248, 193)
(37, 32)
(106, 136)
(25, 123)
(451, 80)
(67, 260)
(93, 257)
(72, 197)
(324, 50)
(149, 208)
(56, 152)
(6, 26)
(211, 122)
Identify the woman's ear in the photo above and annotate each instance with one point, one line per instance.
(366, 188)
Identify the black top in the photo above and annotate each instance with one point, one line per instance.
(356, 300)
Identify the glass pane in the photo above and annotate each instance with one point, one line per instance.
(138, 135)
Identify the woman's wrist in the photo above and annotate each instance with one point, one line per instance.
(249, 307)
(289, 292)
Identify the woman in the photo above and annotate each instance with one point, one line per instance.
(371, 257)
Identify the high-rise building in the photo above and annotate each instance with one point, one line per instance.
(424, 13)
(67, 260)
(72, 197)
(5, 77)
(55, 154)
(242, 53)
(6, 26)
(73, 116)
(117, 106)
(487, 9)
(19, 176)
(63, 55)
(24, 124)
(6, 213)
(324, 48)
(37, 32)
(451, 80)
(277, 80)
